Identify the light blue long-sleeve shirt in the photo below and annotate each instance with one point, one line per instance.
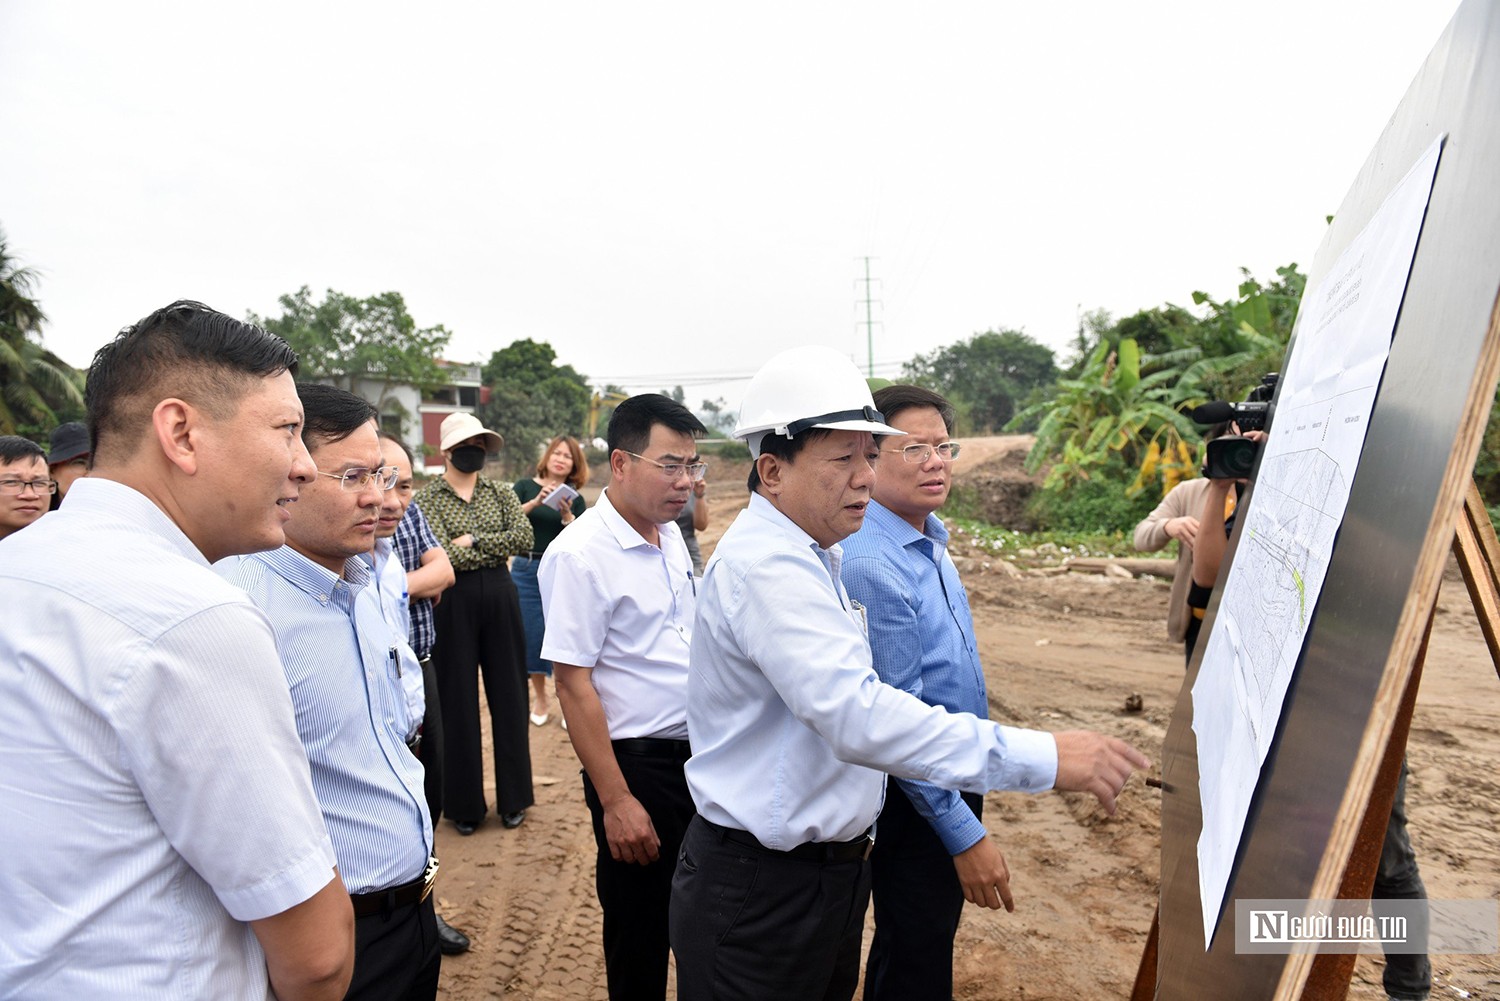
(921, 640)
(341, 661)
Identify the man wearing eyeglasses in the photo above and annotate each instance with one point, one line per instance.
(345, 671)
(793, 733)
(618, 596)
(934, 851)
(25, 489)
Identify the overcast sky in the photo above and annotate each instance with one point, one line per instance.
(670, 192)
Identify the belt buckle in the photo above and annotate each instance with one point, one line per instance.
(869, 847)
(429, 877)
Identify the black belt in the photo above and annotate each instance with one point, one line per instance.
(654, 747)
(823, 852)
(530, 554)
(405, 895)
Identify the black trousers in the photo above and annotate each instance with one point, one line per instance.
(918, 903)
(430, 752)
(478, 622)
(635, 898)
(1407, 975)
(396, 955)
(751, 924)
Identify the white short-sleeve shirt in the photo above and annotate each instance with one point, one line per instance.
(617, 604)
(156, 795)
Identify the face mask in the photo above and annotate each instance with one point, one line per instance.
(468, 458)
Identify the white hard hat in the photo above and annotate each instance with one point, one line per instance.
(808, 387)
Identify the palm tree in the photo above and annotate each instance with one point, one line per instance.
(34, 383)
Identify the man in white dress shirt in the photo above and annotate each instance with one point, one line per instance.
(617, 591)
(792, 731)
(162, 836)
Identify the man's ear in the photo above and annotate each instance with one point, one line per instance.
(177, 425)
(617, 460)
(770, 468)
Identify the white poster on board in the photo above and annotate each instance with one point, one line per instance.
(1301, 490)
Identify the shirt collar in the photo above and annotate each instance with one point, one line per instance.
(624, 533)
(768, 512)
(313, 579)
(888, 523)
(111, 498)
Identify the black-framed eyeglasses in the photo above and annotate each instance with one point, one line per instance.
(946, 450)
(16, 487)
(359, 477)
(672, 470)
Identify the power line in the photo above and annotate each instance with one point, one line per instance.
(869, 323)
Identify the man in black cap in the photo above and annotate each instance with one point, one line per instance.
(68, 457)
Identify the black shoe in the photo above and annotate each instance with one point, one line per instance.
(451, 941)
(512, 820)
(466, 827)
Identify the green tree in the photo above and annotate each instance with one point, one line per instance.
(532, 400)
(38, 390)
(718, 417)
(355, 343)
(1123, 416)
(988, 377)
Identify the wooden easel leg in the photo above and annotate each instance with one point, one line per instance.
(1478, 553)
(1328, 979)
(1145, 977)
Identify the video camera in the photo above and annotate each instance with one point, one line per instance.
(1232, 456)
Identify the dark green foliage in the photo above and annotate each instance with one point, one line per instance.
(532, 400)
(1487, 466)
(356, 343)
(986, 377)
(38, 390)
(1099, 504)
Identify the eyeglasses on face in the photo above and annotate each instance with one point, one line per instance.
(12, 485)
(359, 477)
(672, 470)
(946, 450)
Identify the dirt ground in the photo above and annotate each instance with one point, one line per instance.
(1060, 651)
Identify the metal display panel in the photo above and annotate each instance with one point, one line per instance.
(1342, 723)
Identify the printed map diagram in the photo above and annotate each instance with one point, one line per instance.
(1288, 532)
(1327, 393)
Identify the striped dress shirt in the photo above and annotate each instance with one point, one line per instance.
(341, 665)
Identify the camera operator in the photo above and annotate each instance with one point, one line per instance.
(1220, 503)
(1176, 517)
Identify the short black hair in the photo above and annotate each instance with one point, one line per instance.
(630, 425)
(330, 414)
(891, 400)
(781, 447)
(184, 350)
(14, 448)
(411, 460)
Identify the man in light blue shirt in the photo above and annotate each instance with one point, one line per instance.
(934, 852)
(792, 732)
(343, 666)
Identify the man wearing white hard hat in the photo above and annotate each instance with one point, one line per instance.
(793, 733)
(480, 525)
